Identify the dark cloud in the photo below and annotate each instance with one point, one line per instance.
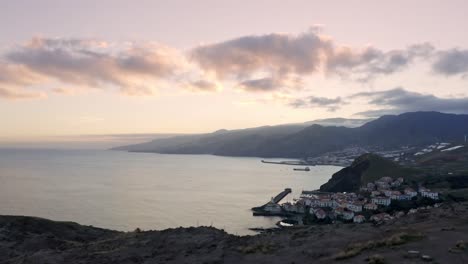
(203, 85)
(331, 104)
(371, 62)
(260, 85)
(269, 84)
(399, 100)
(452, 62)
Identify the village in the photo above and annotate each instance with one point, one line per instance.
(378, 201)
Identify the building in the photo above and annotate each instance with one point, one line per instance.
(272, 207)
(387, 193)
(325, 203)
(396, 195)
(370, 206)
(382, 185)
(354, 206)
(422, 189)
(429, 194)
(359, 219)
(289, 207)
(381, 200)
(396, 184)
(410, 192)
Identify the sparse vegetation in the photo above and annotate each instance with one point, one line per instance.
(394, 240)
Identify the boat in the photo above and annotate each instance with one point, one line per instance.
(302, 169)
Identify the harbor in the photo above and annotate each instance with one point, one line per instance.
(272, 208)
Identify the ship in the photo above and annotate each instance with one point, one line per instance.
(302, 169)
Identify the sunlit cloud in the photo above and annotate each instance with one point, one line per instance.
(8, 93)
(280, 57)
(269, 63)
(134, 69)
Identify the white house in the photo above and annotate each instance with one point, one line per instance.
(370, 206)
(354, 206)
(429, 194)
(381, 200)
(325, 203)
(396, 195)
(359, 219)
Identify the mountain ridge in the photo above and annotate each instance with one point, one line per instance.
(296, 141)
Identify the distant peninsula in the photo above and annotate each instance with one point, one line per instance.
(312, 139)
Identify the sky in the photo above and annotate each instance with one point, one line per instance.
(72, 68)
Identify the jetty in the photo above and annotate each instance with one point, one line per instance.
(281, 195)
(261, 210)
(286, 162)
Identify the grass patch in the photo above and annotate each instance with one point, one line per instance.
(394, 240)
(258, 248)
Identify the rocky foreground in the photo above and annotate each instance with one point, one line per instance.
(437, 235)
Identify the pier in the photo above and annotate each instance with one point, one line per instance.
(281, 195)
(286, 162)
(260, 210)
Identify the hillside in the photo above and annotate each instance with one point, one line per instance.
(366, 168)
(299, 141)
(30, 240)
(445, 161)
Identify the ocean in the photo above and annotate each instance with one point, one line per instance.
(123, 191)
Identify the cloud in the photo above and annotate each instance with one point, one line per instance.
(7, 93)
(269, 84)
(278, 53)
(270, 63)
(14, 80)
(264, 62)
(203, 85)
(331, 104)
(286, 56)
(399, 100)
(371, 62)
(134, 69)
(452, 62)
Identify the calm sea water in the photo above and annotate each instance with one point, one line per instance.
(122, 191)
